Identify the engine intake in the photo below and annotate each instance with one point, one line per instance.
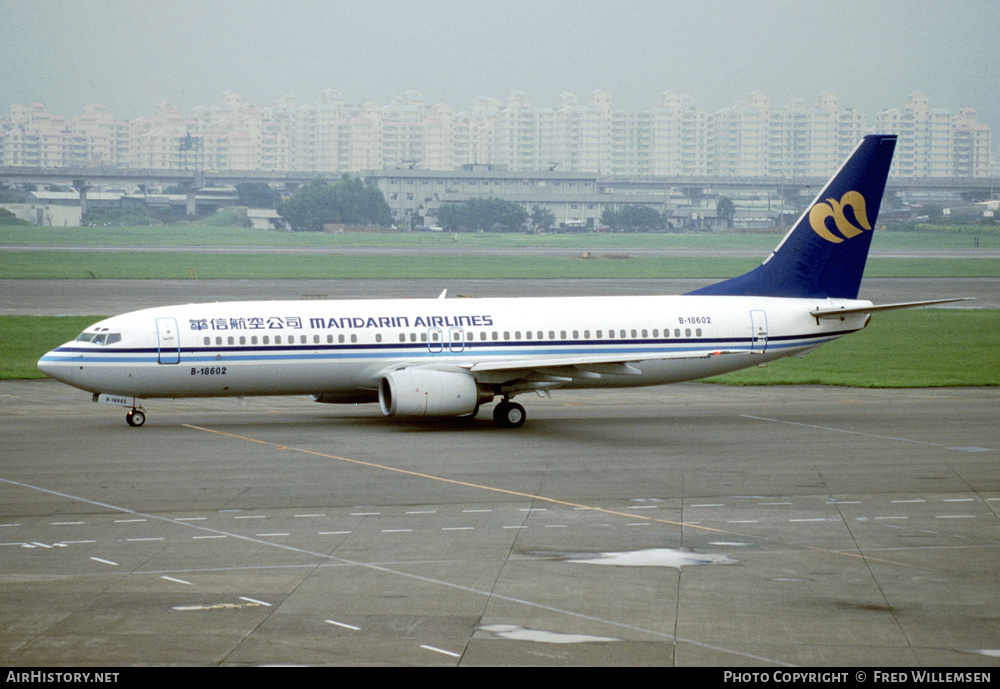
(426, 392)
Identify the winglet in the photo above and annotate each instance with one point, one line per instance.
(824, 254)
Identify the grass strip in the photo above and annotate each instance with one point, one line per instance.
(206, 236)
(183, 265)
(899, 349)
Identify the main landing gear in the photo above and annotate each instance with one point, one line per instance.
(509, 414)
(135, 417)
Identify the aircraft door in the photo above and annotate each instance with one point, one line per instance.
(758, 335)
(435, 340)
(169, 346)
(456, 339)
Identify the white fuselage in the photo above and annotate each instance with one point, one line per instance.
(341, 349)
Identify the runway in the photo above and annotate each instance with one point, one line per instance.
(688, 525)
(110, 297)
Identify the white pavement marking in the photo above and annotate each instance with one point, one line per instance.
(868, 435)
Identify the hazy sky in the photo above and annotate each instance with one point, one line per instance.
(131, 55)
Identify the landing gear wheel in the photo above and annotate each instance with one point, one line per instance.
(135, 417)
(509, 415)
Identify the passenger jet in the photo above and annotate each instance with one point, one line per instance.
(448, 357)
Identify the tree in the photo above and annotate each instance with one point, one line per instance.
(609, 218)
(542, 218)
(933, 211)
(256, 194)
(637, 218)
(725, 209)
(348, 201)
(488, 214)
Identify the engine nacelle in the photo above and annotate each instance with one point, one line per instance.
(426, 392)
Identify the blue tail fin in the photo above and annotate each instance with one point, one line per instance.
(825, 252)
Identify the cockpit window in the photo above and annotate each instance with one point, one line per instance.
(100, 338)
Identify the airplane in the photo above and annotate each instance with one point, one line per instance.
(448, 357)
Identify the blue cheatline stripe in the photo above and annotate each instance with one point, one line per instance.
(478, 351)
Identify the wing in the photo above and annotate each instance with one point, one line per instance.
(542, 373)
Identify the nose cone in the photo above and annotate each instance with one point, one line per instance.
(56, 364)
(46, 365)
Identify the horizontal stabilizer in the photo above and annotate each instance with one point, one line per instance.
(838, 312)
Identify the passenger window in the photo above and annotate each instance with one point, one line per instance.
(687, 332)
(277, 339)
(576, 334)
(208, 340)
(231, 340)
(677, 332)
(402, 337)
(354, 338)
(697, 332)
(253, 340)
(265, 339)
(378, 337)
(243, 339)
(218, 340)
(645, 333)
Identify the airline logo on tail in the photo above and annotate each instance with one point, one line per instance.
(832, 208)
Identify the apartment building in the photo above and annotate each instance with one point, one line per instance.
(751, 138)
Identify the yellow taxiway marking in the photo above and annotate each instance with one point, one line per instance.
(456, 482)
(515, 493)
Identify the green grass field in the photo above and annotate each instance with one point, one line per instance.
(203, 235)
(912, 348)
(59, 265)
(608, 255)
(918, 348)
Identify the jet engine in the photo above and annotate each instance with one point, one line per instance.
(426, 392)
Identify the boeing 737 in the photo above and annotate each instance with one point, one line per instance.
(447, 357)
